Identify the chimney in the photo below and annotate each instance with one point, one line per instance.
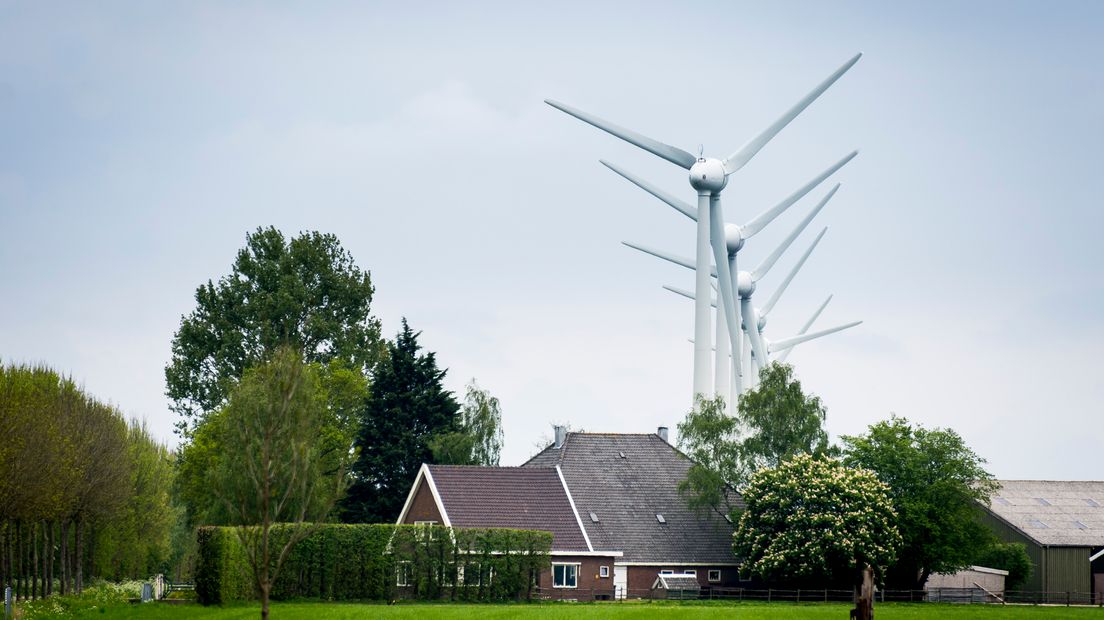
(561, 435)
(662, 432)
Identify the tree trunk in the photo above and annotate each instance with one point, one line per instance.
(64, 557)
(864, 596)
(50, 547)
(264, 601)
(36, 584)
(21, 591)
(79, 559)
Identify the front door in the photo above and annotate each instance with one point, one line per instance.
(620, 580)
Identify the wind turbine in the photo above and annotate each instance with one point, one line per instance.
(735, 236)
(746, 281)
(708, 176)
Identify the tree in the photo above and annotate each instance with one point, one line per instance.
(711, 439)
(1011, 557)
(274, 471)
(814, 521)
(408, 409)
(936, 483)
(775, 421)
(306, 293)
(780, 420)
(479, 440)
(343, 392)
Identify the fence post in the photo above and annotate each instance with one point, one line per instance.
(7, 602)
(1067, 598)
(825, 595)
(768, 595)
(799, 595)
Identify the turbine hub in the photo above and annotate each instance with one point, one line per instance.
(744, 284)
(708, 175)
(734, 239)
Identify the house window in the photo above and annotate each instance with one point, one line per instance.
(428, 528)
(690, 572)
(714, 576)
(565, 575)
(603, 571)
(403, 572)
(666, 572)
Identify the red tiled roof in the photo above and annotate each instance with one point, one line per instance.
(529, 498)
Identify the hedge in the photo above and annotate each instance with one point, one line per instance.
(367, 562)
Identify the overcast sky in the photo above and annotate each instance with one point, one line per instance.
(140, 142)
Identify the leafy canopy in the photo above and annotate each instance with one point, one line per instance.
(775, 421)
(814, 521)
(479, 440)
(305, 293)
(409, 408)
(781, 421)
(936, 483)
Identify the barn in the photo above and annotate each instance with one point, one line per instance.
(1061, 524)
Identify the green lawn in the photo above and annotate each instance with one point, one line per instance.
(601, 611)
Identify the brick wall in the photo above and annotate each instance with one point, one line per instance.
(641, 578)
(589, 582)
(423, 508)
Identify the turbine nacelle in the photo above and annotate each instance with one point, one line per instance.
(745, 284)
(708, 175)
(734, 238)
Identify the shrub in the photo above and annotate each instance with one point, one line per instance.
(364, 562)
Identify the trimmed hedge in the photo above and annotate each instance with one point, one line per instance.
(367, 562)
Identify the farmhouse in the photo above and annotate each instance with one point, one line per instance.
(1062, 526)
(611, 502)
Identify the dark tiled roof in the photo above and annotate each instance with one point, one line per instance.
(627, 493)
(512, 497)
(1052, 512)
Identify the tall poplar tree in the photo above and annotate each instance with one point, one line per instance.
(408, 409)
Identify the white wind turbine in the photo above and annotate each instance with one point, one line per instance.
(742, 278)
(735, 236)
(708, 176)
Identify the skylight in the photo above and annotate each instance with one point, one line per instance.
(621, 454)
(1042, 502)
(1037, 524)
(728, 518)
(660, 518)
(593, 517)
(1003, 502)
(1092, 502)
(1079, 525)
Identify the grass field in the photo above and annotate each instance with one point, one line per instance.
(600, 611)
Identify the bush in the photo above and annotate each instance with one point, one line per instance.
(98, 596)
(366, 562)
(1011, 557)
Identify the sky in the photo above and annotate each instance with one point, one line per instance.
(141, 142)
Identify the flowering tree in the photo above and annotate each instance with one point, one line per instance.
(813, 520)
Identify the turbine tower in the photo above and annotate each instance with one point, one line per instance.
(708, 177)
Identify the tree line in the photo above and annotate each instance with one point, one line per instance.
(82, 490)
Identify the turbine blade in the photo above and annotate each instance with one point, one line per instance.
(685, 293)
(793, 272)
(685, 208)
(786, 343)
(804, 329)
(737, 160)
(751, 327)
(760, 222)
(769, 261)
(671, 258)
(672, 154)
